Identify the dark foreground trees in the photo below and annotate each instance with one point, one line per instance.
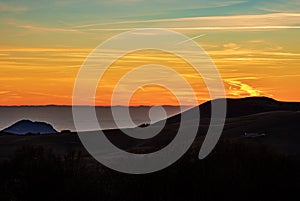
(234, 171)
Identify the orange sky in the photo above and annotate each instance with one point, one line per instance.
(39, 76)
(256, 53)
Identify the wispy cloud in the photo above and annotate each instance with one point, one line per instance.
(4, 92)
(232, 46)
(238, 88)
(48, 94)
(280, 6)
(258, 22)
(241, 28)
(12, 8)
(235, 28)
(48, 29)
(261, 21)
(39, 50)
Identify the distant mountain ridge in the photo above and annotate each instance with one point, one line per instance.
(24, 127)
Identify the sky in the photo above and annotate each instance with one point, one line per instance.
(253, 43)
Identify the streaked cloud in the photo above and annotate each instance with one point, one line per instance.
(6, 7)
(48, 29)
(258, 21)
(238, 88)
(279, 6)
(4, 92)
(38, 50)
(47, 94)
(232, 46)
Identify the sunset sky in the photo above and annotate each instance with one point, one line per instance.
(254, 44)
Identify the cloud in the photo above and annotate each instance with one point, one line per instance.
(4, 92)
(167, 5)
(48, 29)
(232, 46)
(280, 6)
(47, 94)
(241, 28)
(271, 21)
(39, 50)
(5, 7)
(238, 88)
(257, 41)
(229, 3)
(246, 20)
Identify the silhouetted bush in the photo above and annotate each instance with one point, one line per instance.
(234, 171)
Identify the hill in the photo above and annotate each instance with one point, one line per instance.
(278, 120)
(244, 107)
(24, 127)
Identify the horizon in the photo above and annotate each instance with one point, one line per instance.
(64, 121)
(136, 106)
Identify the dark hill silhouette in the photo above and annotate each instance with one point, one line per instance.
(252, 105)
(24, 127)
(244, 107)
(279, 120)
